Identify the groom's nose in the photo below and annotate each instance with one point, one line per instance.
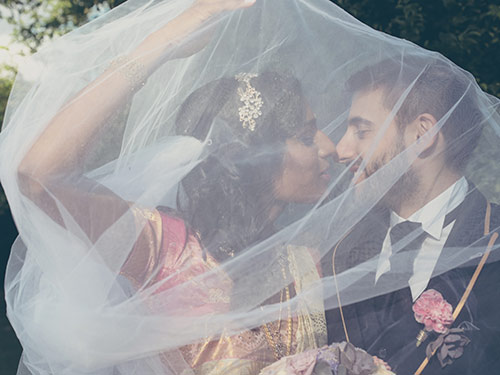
(346, 148)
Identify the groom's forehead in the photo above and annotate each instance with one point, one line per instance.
(368, 108)
(359, 121)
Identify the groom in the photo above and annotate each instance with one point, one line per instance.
(429, 217)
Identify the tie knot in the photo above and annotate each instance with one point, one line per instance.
(407, 235)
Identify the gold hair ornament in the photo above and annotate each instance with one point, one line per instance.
(252, 101)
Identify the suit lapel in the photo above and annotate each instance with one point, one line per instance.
(469, 226)
(467, 230)
(364, 242)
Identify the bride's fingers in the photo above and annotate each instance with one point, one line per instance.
(241, 3)
(218, 6)
(229, 4)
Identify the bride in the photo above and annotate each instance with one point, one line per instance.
(263, 151)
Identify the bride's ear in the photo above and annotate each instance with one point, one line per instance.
(426, 134)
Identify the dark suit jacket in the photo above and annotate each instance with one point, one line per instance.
(385, 325)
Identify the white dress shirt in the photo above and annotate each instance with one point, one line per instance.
(432, 217)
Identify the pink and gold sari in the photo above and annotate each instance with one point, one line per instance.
(174, 256)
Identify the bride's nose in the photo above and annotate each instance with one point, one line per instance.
(326, 148)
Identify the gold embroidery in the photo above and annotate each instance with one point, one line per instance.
(152, 215)
(231, 367)
(248, 352)
(311, 330)
(216, 295)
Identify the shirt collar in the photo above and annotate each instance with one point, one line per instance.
(432, 215)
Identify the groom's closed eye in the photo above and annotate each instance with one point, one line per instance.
(360, 126)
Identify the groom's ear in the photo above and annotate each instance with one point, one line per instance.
(426, 134)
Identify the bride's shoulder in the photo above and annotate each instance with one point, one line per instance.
(180, 244)
(160, 226)
(161, 245)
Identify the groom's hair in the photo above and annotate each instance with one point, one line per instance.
(428, 85)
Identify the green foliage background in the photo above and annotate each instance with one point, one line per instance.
(465, 31)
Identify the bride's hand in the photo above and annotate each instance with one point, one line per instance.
(43, 166)
(197, 17)
(209, 8)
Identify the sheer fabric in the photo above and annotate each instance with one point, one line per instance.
(182, 208)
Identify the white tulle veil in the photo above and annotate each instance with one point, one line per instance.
(72, 305)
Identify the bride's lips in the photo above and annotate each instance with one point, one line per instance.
(324, 175)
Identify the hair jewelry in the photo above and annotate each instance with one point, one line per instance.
(252, 101)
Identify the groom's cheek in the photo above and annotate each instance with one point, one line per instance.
(360, 177)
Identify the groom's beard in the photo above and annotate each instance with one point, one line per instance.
(405, 188)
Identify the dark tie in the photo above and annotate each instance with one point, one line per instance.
(406, 239)
(406, 236)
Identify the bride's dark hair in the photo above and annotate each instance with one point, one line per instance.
(226, 199)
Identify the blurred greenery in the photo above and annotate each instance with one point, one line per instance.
(6, 81)
(465, 31)
(38, 20)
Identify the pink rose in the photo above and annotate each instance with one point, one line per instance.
(302, 363)
(433, 311)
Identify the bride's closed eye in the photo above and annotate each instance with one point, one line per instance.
(307, 136)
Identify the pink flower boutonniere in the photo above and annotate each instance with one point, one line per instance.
(434, 312)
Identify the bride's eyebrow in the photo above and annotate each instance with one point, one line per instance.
(358, 121)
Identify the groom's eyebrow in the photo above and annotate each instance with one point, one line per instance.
(357, 121)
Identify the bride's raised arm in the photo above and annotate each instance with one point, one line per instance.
(55, 159)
